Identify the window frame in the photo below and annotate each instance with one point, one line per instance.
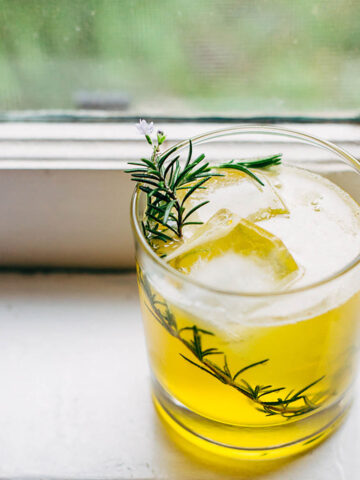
(64, 196)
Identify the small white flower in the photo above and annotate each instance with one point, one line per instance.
(145, 128)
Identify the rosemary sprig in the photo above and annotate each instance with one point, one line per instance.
(293, 404)
(162, 176)
(243, 166)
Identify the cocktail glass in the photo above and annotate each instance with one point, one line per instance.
(283, 380)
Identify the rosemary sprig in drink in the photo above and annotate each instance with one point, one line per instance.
(293, 404)
(162, 176)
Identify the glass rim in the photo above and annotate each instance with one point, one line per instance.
(260, 129)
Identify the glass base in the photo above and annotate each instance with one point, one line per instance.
(247, 442)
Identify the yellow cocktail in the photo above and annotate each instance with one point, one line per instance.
(251, 319)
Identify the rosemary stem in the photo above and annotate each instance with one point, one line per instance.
(227, 380)
(280, 406)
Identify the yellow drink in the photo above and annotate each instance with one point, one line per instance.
(257, 374)
(298, 353)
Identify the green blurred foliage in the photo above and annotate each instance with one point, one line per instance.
(176, 56)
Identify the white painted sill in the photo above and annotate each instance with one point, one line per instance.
(64, 198)
(75, 398)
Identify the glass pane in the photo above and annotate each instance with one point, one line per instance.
(178, 57)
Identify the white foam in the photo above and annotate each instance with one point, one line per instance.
(235, 272)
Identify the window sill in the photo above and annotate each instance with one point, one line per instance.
(72, 408)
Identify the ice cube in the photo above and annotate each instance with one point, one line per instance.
(240, 194)
(230, 252)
